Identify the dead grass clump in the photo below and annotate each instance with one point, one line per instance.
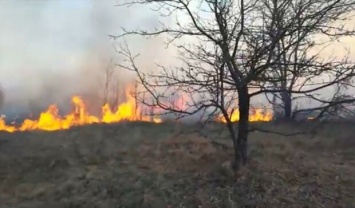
(189, 153)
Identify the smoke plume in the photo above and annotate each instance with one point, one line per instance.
(50, 50)
(53, 49)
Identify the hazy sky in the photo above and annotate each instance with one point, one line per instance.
(41, 32)
(46, 35)
(48, 46)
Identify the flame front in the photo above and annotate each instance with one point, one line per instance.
(4, 127)
(126, 111)
(254, 116)
(50, 120)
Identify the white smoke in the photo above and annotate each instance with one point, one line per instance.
(50, 50)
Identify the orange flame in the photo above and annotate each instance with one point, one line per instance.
(254, 116)
(126, 111)
(50, 120)
(4, 127)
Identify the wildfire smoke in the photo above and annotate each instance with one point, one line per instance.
(50, 120)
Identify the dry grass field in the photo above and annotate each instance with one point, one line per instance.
(152, 165)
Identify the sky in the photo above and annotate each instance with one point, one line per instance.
(49, 35)
(52, 48)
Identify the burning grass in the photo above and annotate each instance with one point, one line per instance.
(151, 165)
(130, 110)
(51, 120)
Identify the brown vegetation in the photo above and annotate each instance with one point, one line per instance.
(152, 165)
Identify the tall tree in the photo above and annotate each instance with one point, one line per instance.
(229, 52)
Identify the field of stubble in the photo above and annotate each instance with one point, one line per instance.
(151, 165)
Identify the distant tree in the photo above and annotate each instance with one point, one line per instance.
(109, 71)
(301, 70)
(230, 51)
(2, 97)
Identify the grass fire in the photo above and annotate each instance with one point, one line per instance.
(51, 120)
(177, 103)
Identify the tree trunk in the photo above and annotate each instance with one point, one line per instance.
(287, 105)
(241, 145)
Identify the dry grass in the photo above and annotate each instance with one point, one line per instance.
(145, 165)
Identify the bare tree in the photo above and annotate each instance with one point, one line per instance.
(229, 51)
(300, 65)
(109, 70)
(116, 95)
(2, 97)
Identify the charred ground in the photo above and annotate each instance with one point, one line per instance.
(153, 165)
